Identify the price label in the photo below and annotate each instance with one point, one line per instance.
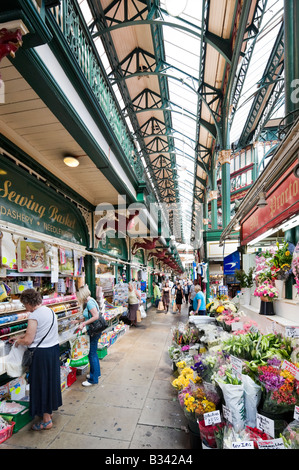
(237, 365)
(265, 424)
(271, 444)
(237, 325)
(243, 445)
(292, 331)
(291, 368)
(227, 414)
(212, 418)
(296, 413)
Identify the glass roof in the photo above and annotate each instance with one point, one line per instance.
(182, 50)
(264, 44)
(182, 55)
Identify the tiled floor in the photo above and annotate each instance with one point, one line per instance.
(134, 405)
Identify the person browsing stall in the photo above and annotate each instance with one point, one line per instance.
(44, 371)
(199, 302)
(90, 314)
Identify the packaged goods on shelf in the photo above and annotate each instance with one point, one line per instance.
(6, 429)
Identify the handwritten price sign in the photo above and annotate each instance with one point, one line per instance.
(212, 418)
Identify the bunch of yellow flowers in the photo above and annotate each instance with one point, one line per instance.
(197, 402)
(184, 378)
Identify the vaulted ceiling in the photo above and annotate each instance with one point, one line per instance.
(178, 81)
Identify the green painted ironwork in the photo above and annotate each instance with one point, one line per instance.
(80, 42)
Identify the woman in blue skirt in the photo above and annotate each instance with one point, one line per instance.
(44, 372)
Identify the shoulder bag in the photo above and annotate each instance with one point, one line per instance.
(28, 354)
(97, 326)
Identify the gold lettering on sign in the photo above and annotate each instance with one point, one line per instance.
(23, 201)
(61, 219)
(277, 202)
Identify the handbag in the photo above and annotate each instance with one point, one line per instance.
(138, 316)
(97, 326)
(28, 354)
(160, 305)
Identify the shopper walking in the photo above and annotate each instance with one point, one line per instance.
(157, 294)
(166, 296)
(91, 313)
(186, 292)
(44, 371)
(192, 294)
(199, 302)
(134, 300)
(179, 297)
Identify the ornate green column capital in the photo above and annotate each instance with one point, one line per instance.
(224, 156)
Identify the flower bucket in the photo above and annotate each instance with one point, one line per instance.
(207, 434)
(266, 307)
(280, 286)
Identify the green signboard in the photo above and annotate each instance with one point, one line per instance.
(27, 202)
(139, 256)
(113, 246)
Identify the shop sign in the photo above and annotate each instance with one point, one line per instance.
(231, 263)
(113, 246)
(282, 203)
(138, 257)
(26, 202)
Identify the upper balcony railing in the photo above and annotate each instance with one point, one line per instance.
(75, 31)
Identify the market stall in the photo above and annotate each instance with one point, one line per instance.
(237, 386)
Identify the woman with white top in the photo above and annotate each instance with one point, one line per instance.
(44, 372)
(134, 299)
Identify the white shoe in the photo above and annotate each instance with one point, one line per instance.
(87, 384)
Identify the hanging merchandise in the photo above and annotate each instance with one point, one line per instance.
(32, 256)
(66, 265)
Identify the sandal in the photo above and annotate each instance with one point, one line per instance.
(41, 426)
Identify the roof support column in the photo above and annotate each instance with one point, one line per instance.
(213, 197)
(224, 159)
(291, 40)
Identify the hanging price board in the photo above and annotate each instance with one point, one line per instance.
(227, 414)
(291, 368)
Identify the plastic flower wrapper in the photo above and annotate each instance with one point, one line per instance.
(196, 404)
(232, 434)
(184, 334)
(174, 352)
(191, 387)
(295, 266)
(290, 435)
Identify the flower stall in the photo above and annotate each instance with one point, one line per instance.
(237, 387)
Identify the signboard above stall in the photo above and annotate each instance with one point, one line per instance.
(29, 203)
(282, 203)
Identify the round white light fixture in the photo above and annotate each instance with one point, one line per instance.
(71, 161)
(175, 7)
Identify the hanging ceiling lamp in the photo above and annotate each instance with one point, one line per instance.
(175, 7)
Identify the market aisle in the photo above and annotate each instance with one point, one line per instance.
(134, 405)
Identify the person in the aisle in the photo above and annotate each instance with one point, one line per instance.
(91, 313)
(179, 296)
(157, 294)
(44, 372)
(186, 292)
(199, 302)
(134, 300)
(166, 296)
(192, 294)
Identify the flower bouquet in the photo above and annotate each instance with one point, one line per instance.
(280, 389)
(196, 404)
(183, 380)
(295, 266)
(267, 292)
(290, 435)
(282, 260)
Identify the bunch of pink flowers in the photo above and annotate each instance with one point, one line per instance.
(266, 290)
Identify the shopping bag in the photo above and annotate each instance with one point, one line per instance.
(138, 316)
(160, 305)
(142, 311)
(14, 360)
(174, 306)
(80, 351)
